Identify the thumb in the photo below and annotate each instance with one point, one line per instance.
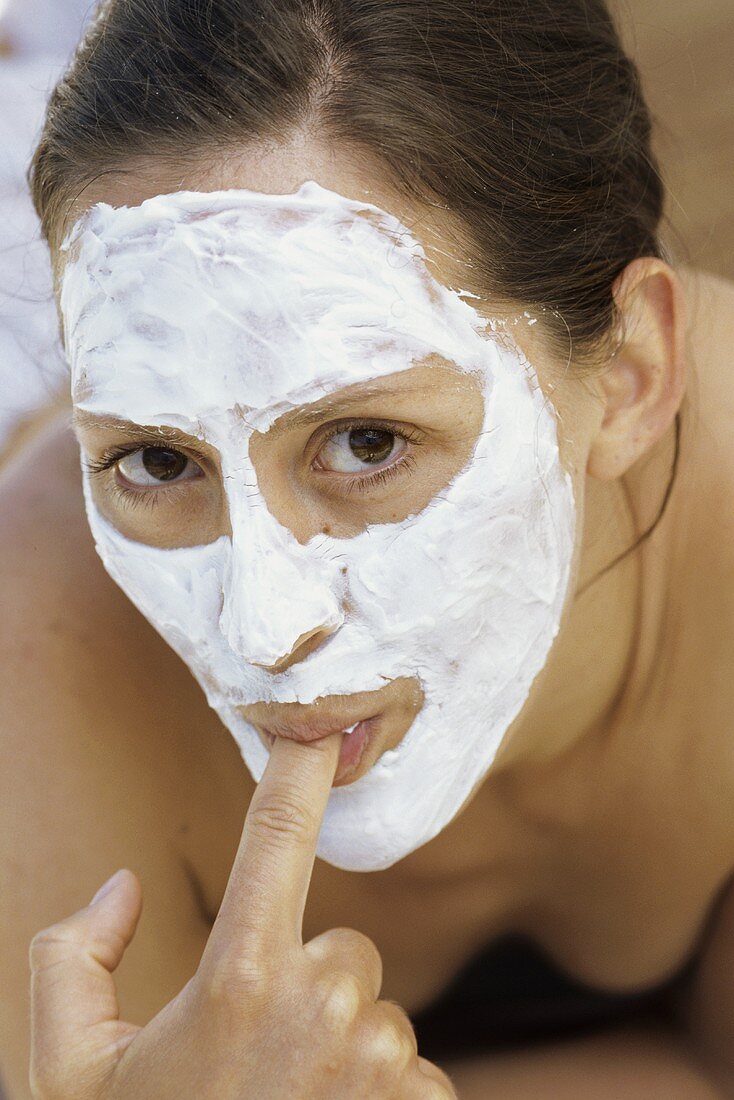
(76, 1034)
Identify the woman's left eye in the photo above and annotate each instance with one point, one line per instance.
(356, 450)
(155, 465)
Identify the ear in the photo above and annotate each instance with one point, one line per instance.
(643, 385)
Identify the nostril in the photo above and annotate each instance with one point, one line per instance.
(305, 645)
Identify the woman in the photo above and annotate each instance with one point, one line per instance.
(593, 819)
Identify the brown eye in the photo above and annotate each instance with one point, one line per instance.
(153, 465)
(356, 449)
(371, 445)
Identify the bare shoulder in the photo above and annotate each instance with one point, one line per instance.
(65, 624)
(707, 1006)
(103, 736)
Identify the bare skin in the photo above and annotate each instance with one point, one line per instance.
(604, 832)
(258, 988)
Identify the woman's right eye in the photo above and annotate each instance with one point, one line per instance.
(157, 465)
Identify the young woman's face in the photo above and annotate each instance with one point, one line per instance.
(333, 486)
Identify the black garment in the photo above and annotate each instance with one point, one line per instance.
(511, 994)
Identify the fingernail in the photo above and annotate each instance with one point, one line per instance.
(106, 888)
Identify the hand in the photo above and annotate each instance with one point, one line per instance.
(265, 1017)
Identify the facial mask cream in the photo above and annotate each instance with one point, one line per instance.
(217, 313)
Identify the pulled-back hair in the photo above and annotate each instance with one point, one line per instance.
(523, 117)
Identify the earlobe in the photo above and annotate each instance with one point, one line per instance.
(643, 385)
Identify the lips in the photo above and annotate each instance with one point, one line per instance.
(353, 746)
(313, 729)
(372, 722)
(356, 739)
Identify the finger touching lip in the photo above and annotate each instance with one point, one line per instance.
(353, 746)
(369, 731)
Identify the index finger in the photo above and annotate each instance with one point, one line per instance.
(268, 884)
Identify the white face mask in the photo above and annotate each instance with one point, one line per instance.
(216, 314)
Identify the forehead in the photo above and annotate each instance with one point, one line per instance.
(238, 298)
(280, 167)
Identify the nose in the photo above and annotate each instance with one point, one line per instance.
(307, 643)
(282, 599)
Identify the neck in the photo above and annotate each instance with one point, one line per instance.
(601, 661)
(606, 647)
(590, 663)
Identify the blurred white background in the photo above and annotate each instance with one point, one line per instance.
(36, 39)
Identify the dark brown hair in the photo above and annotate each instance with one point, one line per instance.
(523, 117)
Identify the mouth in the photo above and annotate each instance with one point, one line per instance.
(372, 723)
(356, 739)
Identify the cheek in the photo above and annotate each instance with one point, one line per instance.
(572, 399)
(575, 417)
(193, 513)
(578, 411)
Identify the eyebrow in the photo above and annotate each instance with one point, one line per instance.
(334, 404)
(311, 414)
(94, 421)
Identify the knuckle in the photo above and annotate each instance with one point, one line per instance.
(432, 1089)
(348, 949)
(49, 944)
(400, 1019)
(339, 997)
(391, 1042)
(358, 944)
(434, 1082)
(227, 983)
(386, 1047)
(282, 818)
